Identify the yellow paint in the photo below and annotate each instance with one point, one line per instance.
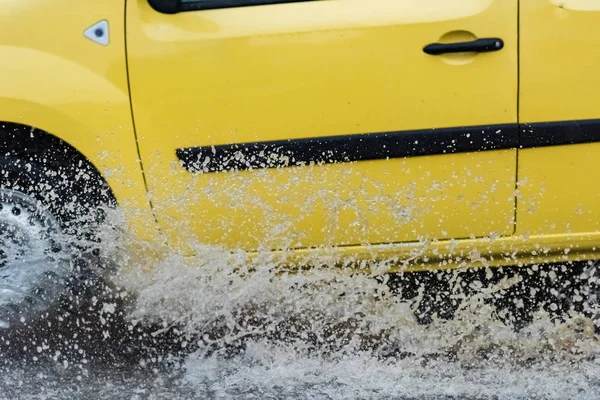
(559, 81)
(315, 69)
(344, 204)
(578, 5)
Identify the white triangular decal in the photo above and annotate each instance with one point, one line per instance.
(98, 32)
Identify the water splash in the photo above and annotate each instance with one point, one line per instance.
(250, 330)
(219, 325)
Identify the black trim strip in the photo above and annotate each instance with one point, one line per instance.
(543, 134)
(176, 6)
(348, 148)
(217, 4)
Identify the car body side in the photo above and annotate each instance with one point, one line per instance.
(55, 79)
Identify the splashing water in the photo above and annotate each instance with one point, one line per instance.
(220, 326)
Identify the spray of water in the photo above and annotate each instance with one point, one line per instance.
(222, 325)
(247, 328)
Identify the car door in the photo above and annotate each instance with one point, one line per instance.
(293, 124)
(560, 115)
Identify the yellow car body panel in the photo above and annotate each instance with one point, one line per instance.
(55, 79)
(327, 71)
(323, 69)
(559, 81)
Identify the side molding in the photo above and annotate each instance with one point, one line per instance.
(558, 133)
(383, 145)
(348, 148)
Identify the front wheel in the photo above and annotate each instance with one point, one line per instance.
(46, 215)
(33, 269)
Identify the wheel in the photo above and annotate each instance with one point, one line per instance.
(32, 271)
(47, 216)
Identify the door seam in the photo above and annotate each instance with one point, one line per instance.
(135, 135)
(518, 114)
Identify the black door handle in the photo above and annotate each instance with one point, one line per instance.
(479, 45)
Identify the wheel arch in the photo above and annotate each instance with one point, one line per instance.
(110, 153)
(30, 143)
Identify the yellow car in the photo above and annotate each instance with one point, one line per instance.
(437, 133)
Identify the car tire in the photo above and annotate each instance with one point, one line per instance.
(49, 213)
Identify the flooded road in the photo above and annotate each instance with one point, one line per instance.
(208, 328)
(359, 378)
